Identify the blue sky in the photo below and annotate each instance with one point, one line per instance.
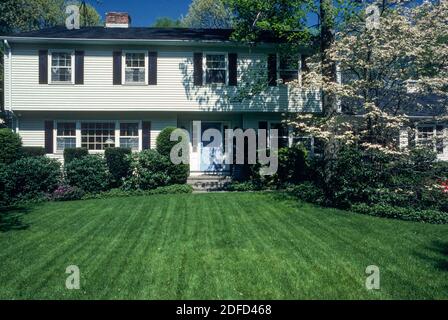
(143, 12)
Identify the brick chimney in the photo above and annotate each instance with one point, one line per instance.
(118, 20)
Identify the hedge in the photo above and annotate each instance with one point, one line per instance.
(409, 214)
(118, 164)
(10, 146)
(71, 154)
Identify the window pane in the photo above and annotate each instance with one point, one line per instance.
(62, 143)
(98, 136)
(216, 76)
(66, 129)
(61, 70)
(131, 143)
(135, 75)
(217, 61)
(129, 129)
(287, 76)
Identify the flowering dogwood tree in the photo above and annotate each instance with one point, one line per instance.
(388, 68)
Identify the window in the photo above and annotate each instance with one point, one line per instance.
(129, 136)
(215, 68)
(431, 136)
(282, 134)
(61, 67)
(97, 135)
(288, 68)
(135, 68)
(65, 135)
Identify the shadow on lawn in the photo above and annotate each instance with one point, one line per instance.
(12, 219)
(438, 256)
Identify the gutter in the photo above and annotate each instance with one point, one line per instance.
(172, 42)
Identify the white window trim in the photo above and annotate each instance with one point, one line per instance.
(55, 135)
(204, 67)
(299, 69)
(72, 55)
(138, 136)
(123, 68)
(78, 133)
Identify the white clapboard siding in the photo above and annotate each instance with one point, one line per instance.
(174, 90)
(32, 132)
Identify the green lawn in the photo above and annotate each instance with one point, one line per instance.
(216, 246)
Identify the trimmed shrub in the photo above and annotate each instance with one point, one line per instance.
(409, 214)
(33, 151)
(71, 154)
(178, 173)
(89, 173)
(32, 177)
(149, 170)
(10, 146)
(163, 142)
(67, 193)
(118, 162)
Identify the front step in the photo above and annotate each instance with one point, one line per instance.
(208, 182)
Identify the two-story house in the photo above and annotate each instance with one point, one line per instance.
(119, 86)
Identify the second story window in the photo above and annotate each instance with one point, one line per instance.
(61, 67)
(135, 68)
(288, 68)
(215, 68)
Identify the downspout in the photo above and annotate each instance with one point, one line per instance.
(7, 45)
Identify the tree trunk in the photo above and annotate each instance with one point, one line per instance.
(329, 105)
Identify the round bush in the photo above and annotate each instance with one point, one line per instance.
(89, 173)
(163, 142)
(293, 165)
(33, 151)
(10, 146)
(32, 177)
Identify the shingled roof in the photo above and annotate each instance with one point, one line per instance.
(134, 33)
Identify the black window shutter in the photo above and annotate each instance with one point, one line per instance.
(197, 73)
(79, 67)
(233, 57)
(117, 67)
(146, 135)
(152, 68)
(272, 69)
(43, 67)
(49, 136)
(263, 125)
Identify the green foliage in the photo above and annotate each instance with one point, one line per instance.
(71, 154)
(32, 177)
(10, 146)
(163, 142)
(119, 193)
(4, 196)
(308, 192)
(89, 173)
(293, 165)
(118, 162)
(244, 186)
(213, 14)
(33, 151)
(409, 214)
(167, 22)
(149, 170)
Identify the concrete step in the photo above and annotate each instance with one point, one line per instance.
(209, 182)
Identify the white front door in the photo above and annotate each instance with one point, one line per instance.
(211, 149)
